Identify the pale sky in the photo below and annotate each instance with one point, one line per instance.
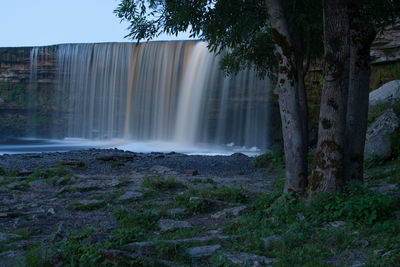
(48, 22)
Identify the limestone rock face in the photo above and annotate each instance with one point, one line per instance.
(386, 46)
(386, 94)
(378, 135)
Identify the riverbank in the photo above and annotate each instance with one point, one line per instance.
(118, 208)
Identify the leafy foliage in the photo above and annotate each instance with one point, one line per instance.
(359, 206)
(239, 30)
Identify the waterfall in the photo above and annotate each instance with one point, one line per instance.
(32, 92)
(165, 91)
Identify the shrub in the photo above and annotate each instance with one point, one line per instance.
(358, 206)
(272, 159)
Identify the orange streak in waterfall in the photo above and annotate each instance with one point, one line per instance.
(134, 54)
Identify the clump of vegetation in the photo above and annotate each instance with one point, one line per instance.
(373, 161)
(76, 205)
(37, 256)
(161, 183)
(383, 73)
(116, 164)
(8, 173)
(72, 163)
(301, 226)
(273, 159)
(196, 206)
(50, 175)
(144, 219)
(77, 254)
(357, 206)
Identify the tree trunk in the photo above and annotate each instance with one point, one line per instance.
(287, 92)
(327, 174)
(301, 73)
(362, 35)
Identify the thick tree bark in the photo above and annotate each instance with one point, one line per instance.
(327, 174)
(287, 91)
(302, 68)
(362, 35)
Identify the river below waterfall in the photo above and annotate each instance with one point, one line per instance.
(35, 145)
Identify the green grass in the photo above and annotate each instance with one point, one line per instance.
(162, 184)
(76, 205)
(223, 193)
(306, 241)
(116, 164)
(23, 234)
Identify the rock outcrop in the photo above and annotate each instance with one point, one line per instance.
(378, 141)
(389, 93)
(386, 46)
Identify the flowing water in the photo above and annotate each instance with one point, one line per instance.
(158, 92)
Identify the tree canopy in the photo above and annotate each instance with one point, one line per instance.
(237, 29)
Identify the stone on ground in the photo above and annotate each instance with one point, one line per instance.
(176, 211)
(5, 236)
(353, 258)
(142, 248)
(130, 195)
(168, 225)
(246, 259)
(235, 211)
(160, 169)
(271, 239)
(202, 251)
(336, 224)
(11, 258)
(87, 202)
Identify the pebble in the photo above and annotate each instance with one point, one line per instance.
(130, 195)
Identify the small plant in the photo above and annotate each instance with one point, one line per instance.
(162, 184)
(165, 250)
(8, 173)
(21, 186)
(50, 175)
(142, 218)
(77, 254)
(196, 206)
(116, 164)
(373, 161)
(37, 257)
(76, 205)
